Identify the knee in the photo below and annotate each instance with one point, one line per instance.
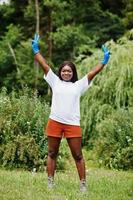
(78, 157)
(52, 154)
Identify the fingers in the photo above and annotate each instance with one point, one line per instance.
(33, 41)
(34, 44)
(36, 38)
(105, 50)
(106, 55)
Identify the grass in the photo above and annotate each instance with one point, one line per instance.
(102, 185)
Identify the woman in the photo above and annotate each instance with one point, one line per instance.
(64, 120)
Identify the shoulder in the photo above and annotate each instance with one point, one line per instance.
(50, 74)
(83, 80)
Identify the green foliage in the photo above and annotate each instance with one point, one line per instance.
(12, 38)
(111, 91)
(22, 121)
(17, 63)
(6, 11)
(73, 40)
(21, 152)
(128, 14)
(9, 39)
(114, 146)
(114, 6)
(70, 28)
(23, 114)
(8, 62)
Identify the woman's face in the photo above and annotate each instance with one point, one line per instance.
(66, 73)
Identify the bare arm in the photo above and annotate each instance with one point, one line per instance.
(101, 65)
(41, 60)
(95, 71)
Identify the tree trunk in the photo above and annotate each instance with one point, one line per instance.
(50, 30)
(16, 64)
(37, 31)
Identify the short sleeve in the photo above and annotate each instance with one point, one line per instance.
(84, 84)
(51, 78)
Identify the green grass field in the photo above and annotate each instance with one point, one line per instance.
(102, 185)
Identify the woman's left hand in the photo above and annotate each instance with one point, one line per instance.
(106, 55)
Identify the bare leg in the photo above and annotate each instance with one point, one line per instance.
(75, 147)
(53, 148)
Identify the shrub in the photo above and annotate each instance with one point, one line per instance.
(22, 120)
(114, 147)
(21, 152)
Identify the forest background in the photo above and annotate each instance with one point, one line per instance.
(69, 30)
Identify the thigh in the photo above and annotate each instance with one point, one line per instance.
(53, 144)
(71, 131)
(54, 129)
(75, 145)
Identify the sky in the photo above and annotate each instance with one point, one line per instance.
(4, 1)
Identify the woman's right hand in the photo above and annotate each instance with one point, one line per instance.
(34, 44)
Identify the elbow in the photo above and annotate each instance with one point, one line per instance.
(90, 76)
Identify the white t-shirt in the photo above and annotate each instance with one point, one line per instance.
(65, 106)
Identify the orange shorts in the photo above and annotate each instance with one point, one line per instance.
(57, 129)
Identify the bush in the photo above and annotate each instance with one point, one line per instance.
(21, 152)
(114, 147)
(22, 120)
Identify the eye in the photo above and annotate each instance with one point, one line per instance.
(67, 71)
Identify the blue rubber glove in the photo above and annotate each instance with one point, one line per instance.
(35, 41)
(106, 55)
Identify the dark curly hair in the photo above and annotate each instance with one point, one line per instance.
(73, 67)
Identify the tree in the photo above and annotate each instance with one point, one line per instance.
(67, 29)
(128, 14)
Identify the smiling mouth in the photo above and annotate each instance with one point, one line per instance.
(67, 76)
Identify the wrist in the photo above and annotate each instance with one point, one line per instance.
(104, 62)
(36, 51)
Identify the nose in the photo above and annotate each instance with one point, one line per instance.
(66, 73)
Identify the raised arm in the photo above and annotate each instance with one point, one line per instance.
(101, 65)
(38, 57)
